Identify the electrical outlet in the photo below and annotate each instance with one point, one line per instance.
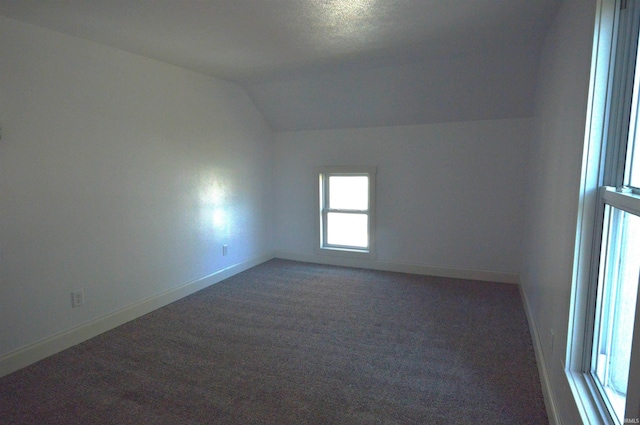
(225, 249)
(77, 298)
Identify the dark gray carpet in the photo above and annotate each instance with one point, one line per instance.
(297, 343)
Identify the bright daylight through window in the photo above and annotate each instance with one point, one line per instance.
(346, 219)
(604, 354)
(618, 287)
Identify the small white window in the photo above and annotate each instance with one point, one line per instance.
(346, 210)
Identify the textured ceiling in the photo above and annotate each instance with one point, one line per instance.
(258, 42)
(242, 40)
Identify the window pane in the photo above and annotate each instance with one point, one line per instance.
(618, 287)
(632, 166)
(349, 192)
(348, 230)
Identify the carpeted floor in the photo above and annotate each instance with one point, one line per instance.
(297, 343)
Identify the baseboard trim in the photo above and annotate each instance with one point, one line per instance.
(547, 391)
(392, 266)
(35, 352)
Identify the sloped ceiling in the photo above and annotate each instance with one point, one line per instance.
(318, 64)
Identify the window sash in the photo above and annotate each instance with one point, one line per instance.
(327, 236)
(335, 201)
(614, 204)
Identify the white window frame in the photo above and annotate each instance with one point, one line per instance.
(321, 195)
(616, 30)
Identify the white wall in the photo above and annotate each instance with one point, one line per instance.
(119, 175)
(464, 87)
(449, 195)
(552, 195)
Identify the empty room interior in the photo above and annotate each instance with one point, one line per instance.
(151, 151)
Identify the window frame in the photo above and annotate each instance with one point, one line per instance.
(322, 174)
(608, 122)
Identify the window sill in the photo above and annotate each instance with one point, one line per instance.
(591, 408)
(345, 252)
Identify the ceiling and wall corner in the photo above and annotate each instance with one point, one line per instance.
(323, 64)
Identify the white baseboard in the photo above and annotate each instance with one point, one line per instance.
(392, 266)
(30, 354)
(547, 390)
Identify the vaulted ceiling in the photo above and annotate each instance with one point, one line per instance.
(315, 64)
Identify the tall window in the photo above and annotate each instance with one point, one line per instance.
(346, 206)
(605, 347)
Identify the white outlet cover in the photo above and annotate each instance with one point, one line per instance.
(77, 298)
